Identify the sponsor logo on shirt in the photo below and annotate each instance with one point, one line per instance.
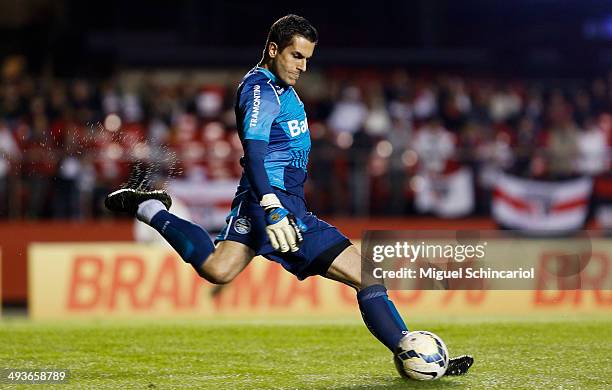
(256, 104)
(297, 127)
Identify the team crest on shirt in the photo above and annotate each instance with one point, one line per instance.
(242, 226)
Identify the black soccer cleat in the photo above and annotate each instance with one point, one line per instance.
(126, 200)
(459, 365)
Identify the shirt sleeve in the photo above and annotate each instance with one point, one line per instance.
(259, 106)
(253, 162)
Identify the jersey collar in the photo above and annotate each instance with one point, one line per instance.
(269, 74)
(279, 86)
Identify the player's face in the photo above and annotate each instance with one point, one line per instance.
(289, 64)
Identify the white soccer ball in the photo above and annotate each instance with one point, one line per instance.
(422, 356)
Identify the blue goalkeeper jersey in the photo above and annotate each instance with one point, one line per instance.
(268, 110)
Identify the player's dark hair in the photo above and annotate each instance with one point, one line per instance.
(285, 28)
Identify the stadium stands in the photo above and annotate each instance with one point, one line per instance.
(380, 139)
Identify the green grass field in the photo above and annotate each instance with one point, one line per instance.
(242, 355)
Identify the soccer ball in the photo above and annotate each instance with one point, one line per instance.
(422, 356)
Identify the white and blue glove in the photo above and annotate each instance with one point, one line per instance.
(284, 229)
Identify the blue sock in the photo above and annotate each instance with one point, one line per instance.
(190, 241)
(381, 316)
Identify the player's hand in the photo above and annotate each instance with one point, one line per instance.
(284, 229)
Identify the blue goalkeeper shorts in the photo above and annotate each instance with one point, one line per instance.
(246, 223)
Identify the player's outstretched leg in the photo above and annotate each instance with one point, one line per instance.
(381, 316)
(190, 241)
(378, 312)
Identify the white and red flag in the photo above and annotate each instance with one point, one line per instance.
(541, 207)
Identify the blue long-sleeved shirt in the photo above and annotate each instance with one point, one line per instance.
(273, 128)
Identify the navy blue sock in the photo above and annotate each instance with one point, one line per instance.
(190, 241)
(381, 316)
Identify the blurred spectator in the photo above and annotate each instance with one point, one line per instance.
(434, 145)
(400, 160)
(377, 121)
(562, 150)
(425, 102)
(525, 145)
(592, 149)
(320, 186)
(66, 199)
(348, 114)
(582, 108)
(40, 159)
(9, 155)
(504, 104)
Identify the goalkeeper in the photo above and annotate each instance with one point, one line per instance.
(269, 215)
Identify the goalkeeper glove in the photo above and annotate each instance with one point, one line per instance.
(284, 229)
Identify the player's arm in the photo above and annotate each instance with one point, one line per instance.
(260, 106)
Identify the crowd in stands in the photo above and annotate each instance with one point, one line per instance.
(65, 143)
